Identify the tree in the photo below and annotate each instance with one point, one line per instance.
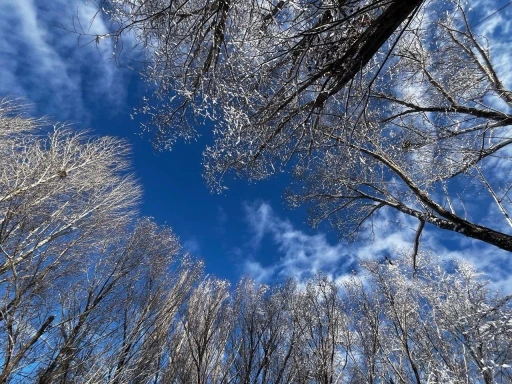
(264, 338)
(436, 327)
(146, 304)
(250, 357)
(127, 296)
(284, 94)
(323, 327)
(433, 134)
(205, 326)
(59, 191)
(381, 325)
(86, 292)
(282, 71)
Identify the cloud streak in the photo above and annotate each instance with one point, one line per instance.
(45, 65)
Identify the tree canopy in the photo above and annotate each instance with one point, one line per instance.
(269, 63)
(370, 104)
(89, 292)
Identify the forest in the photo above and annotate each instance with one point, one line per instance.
(370, 105)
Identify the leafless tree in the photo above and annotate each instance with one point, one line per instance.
(322, 327)
(205, 325)
(434, 136)
(436, 327)
(474, 323)
(245, 349)
(148, 301)
(273, 63)
(381, 325)
(264, 338)
(416, 130)
(59, 191)
(364, 355)
(127, 296)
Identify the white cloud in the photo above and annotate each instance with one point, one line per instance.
(45, 64)
(301, 255)
(493, 19)
(257, 272)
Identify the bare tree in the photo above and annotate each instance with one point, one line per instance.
(441, 327)
(474, 323)
(146, 303)
(264, 337)
(59, 191)
(433, 137)
(365, 354)
(126, 295)
(322, 326)
(381, 325)
(273, 63)
(205, 326)
(284, 93)
(245, 343)
(86, 293)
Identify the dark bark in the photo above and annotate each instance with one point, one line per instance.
(456, 224)
(367, 45)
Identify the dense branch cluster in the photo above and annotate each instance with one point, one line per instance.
(370, 103)
(434, 138)
(88, 294)
(252, 64)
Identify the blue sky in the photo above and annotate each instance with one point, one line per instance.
(245, 231)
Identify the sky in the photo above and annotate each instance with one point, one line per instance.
(246, 231)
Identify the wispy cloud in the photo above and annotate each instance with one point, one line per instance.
(493, 19)
(46, 65)
(191, 245)
(256, 271)
(301, 255)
